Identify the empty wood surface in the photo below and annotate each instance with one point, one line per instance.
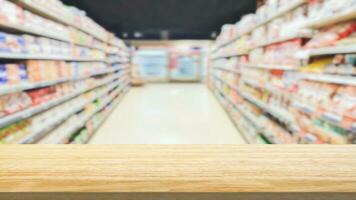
(177, 168)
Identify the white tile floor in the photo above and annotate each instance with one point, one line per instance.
(168, 114)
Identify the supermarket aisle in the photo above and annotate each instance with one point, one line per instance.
(168, 114)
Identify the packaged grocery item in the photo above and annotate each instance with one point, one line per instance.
(330, 36)
(13, 103)
(11, 133)
(42, 95)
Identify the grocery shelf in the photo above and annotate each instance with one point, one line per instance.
(42, 107)
(330, 78)
(23, 56)
(34, 8)
(119, 62)
(79, 124)
(273, 110)
(333, 18)
(30, 30)
(282, 39)
(342, 49)
(228, 112)
(270, 66)
(42, 33)
(115, 104)
(245, 113)
(333, 119)
(295, 4)
(27, 86)
(275, 113)
(304, 107)
(90, 46)
(41, 11)
(252, 120)
(227, 83)
(229, 55)
(326, 116)
(228, 70)
(57, 121)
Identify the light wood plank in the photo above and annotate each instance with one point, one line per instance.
(177, 168)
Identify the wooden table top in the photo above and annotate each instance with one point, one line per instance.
(177, 168)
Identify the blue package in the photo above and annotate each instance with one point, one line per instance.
(3, 46)
(3, 74)
(23, 72)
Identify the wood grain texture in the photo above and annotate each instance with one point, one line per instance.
(177, 168)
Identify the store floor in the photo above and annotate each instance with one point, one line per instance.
(168, 114)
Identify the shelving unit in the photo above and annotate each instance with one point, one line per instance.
(295, 4)
(41, 11)
(329, 78)
(55, 139)
(28, 86)
(280, 40)
(227, 69)
(346, 15)
(271, 66)
(229, 56)
(276, 89)
(21, 56)
(342, 49)
(108, 84)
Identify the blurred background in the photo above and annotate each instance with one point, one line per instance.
(178, 71)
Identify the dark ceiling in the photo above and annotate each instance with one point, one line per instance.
(168, 19)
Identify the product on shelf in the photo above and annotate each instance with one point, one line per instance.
(13, 15)
(228, 32)
(13, 132)
(40, 46)
(38, 71)
(38, 124)
(12, 73)
(13, 103)
(331, 36)
(320, 9)
(342, 64)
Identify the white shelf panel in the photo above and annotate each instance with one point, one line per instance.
(342, 49)
(329, 78)
(29, 30)
(230, 55)
(22, 56)
(269, 66)
(27, 86)
(21, 115)
(346, 15)
(228, 70)
(32, 31)
(279, 40)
